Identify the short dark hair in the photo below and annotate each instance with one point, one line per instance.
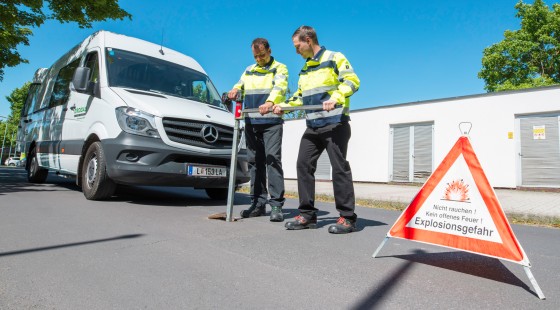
(306, 31)
(261, 41)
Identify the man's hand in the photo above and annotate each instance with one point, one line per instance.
(266, 107)
(232, 95)
(277, 110)
(329, 105)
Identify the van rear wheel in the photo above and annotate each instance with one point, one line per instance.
(36, 174)
(96, 184)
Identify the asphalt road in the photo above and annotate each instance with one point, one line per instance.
(154, 248)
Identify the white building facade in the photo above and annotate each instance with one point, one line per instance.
(515, 136)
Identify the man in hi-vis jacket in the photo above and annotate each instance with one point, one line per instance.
(327, 79)
(264, 85)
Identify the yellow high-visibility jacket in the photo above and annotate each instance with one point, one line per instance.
(328, 75)
(261, 84)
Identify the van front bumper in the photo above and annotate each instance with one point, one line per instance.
(137, 160)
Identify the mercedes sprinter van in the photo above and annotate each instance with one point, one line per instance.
(120, 110)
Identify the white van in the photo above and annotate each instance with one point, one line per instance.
(119, 110)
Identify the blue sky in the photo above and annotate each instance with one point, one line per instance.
(403, 51)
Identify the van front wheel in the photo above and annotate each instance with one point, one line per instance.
(36, 174)
(96, 184)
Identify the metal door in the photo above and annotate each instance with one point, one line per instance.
(540, 150)
(412, 148)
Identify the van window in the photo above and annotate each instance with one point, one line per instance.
(200, 91)
(132, 70)
(31, 99)
(92, 64)
(61, 88)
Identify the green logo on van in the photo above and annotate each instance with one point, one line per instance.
(79, 111)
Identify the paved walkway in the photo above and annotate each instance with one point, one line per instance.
(513, 201)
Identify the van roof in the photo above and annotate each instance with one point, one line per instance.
(40, 75)
(119, 41)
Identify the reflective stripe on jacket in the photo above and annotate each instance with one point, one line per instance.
(328, 75)
(262, 84)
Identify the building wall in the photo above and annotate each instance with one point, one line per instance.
(492, 117)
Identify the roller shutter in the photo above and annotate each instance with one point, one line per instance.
(540, 151)
(323, 171)
(411, 157)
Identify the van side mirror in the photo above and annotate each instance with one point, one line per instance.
(81, 79)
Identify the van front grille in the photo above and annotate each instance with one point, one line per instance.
(201, 134)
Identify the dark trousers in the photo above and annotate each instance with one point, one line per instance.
(264, 150)
(334, 138)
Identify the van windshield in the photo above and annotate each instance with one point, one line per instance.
(132, 70)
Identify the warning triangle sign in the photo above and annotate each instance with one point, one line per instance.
(457, 208)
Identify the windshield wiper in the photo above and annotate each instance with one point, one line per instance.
(159, 92)
(144, 92)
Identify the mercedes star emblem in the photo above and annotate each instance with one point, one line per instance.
(209, 134)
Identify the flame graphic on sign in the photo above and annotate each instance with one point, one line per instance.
(457, 190)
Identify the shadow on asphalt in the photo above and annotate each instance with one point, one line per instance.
(468, 263)
(324, 220)
(377, 295)
(60, 246)
(171, 197)
(463, 262)
(14, 180)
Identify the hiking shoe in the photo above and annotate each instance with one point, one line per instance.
(276, 214)
(254, 211)
(342, 226)
(301, 222)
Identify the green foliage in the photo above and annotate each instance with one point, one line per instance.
(200, 92)
(16, 99)
(17, 17)
(528, 57)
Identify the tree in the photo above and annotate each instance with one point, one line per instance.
(528, 57)
(200, 92)
(17, 17)
(16, 99)
(9, 126)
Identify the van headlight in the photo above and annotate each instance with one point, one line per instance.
(136, 122)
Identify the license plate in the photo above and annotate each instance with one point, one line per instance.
(207, 171)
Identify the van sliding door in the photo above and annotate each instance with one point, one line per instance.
(50, 147)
